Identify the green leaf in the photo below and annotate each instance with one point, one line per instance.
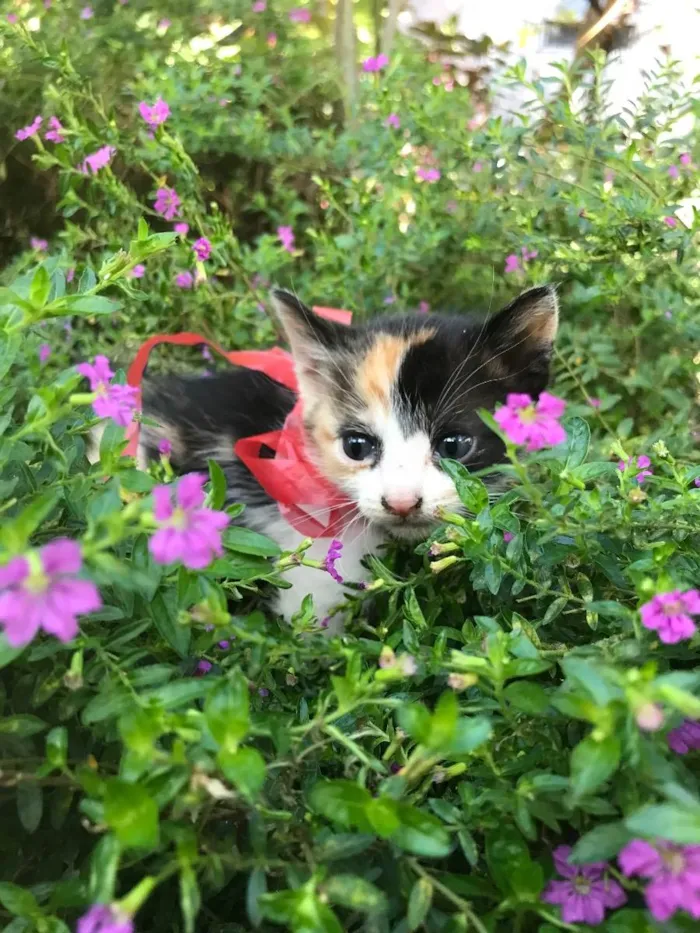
(383, 817)
(415, 720)
(88, 280)
(419, 902)
(526, 697)
(578, 439)
(245, 768)
(23, 724)
(177, 636)
(443, 723)
(92, 304)
(104, 864)
(30, 805)
(31, 516)
(600, 843)
(245, 541)
(57, 747)
(666, 821)
(18, 901)
(218, 485)
(142, 229)
(256, 887)
(421, 833)
(470, 490)
(506, 853)
(131, 813)
(40, 288)
(356, 894)
(342, 802)
(9, 348)
(470, 733)
(592, 763)
(227, 712)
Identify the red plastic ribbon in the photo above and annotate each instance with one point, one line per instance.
(306, 499)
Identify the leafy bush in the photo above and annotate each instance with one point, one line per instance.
(498, 692)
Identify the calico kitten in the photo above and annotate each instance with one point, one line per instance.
(383, 402)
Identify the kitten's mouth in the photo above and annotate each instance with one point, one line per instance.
(410, 528)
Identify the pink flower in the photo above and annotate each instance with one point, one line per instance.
(271, 39)
(641, 464)
(54, 134)
(586, 894)
(674, 873)
(594, 402)
(508, 536)
(428, 174)
(669, 614)
(202, 249)
(101, 918)
(114, 401)
(300, 15)
(332, 557)
(259, 6)
(187, 531)
(696, 481)
(685, 158)
(477, 167)
(97, 160)
(184, 280)
(42, 591)
(390, 300)
(12, 18)
(670, 222)
(138, 271)
(512, 263)
(167, 203)
(393, 120)
(375, 64)
(165, 447)
(30, 130)
(164, 24)
(529, 254)
(156, 114)
(650, 717)
(535, 425)
(182, 229)
(286, 238)
(684, 737)
(44, 352)
(38, 244)
(203, 667)
(86, 12)
(423, 307)
(673, 171)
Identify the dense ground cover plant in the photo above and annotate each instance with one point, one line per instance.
(507, 737)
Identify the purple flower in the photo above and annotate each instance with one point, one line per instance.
(26, 131)
(375, 64)
(535, 425)
(12, 18)
(673, 171)
(156, 114)
(138, 271)
(508, 536)
(669, 614)
(512, 263)
(54, 134)
(286, 238)
(165, 447)
(70, 274)
(86, 12)
(423, 307)
(271, 39)
(184, 280)
(390, 300)
(182, 229)
(528, 254)
(38, 244)
(674, 873)
(642, 463)
(685, 158)
(670, 221)
(42, 591)
(114, 401)
(684, 737)
(430, 175)
(203, 667)
(477, 167)
(224, 645)
(300, 15)
(167, 203)
(259, 6)
(586, 893)
(202, 249)
(263, 692)
(594, 402)
(164, 24)
(206, 354)
(393, 120)
(44, 352)
(97, 160)
(332, 557)
(101, 918)
(187, 531)
(696, 481)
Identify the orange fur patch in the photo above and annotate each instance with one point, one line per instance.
(378, 371)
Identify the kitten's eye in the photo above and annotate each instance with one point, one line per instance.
(454, 446)
(359, 446)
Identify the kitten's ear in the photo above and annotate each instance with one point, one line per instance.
(522, 336)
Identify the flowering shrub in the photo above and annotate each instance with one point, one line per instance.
(507, 737)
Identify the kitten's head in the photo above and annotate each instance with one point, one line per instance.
(386, 400)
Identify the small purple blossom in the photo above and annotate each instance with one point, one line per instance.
(163, 24)
(528, 254)
(184, 280)
(114, 401)
(101, 918)
(167, 203)
(586, 893)
(259, 6)
(87, 12)
(393, 120)
(70, 274)
(44, 353)
(685, 158)
(286, 238)
(182, 229)
(431, 175)
(594, 402)
(206, 354)
(187, 531)
(673, 171)
(332, 557)
(669, 614)
(263, 692)
(641, 463)
(43, 591)
(673, 872)
(685, 737)
(12, 18)
(300, 15)
(203, 667)
(97, 160)
(224, 644)
(165, 448)
(670, 222)
(534, 425)
(271, 39)
(138, 271)
(423, 307)
(54, 134)
(38, 244)
(512, 263)
(696, 481)
(390, 299)
(154, 114)
(31, 130)
(508, 536)
(477, 167)
(202, 249)
(375, 63)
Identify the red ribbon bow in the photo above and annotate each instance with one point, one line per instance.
(306, 499)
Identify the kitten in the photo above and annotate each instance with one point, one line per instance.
(383, 402)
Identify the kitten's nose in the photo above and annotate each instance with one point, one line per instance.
(402, 503)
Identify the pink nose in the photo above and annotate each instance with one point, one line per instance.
(402, 503)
